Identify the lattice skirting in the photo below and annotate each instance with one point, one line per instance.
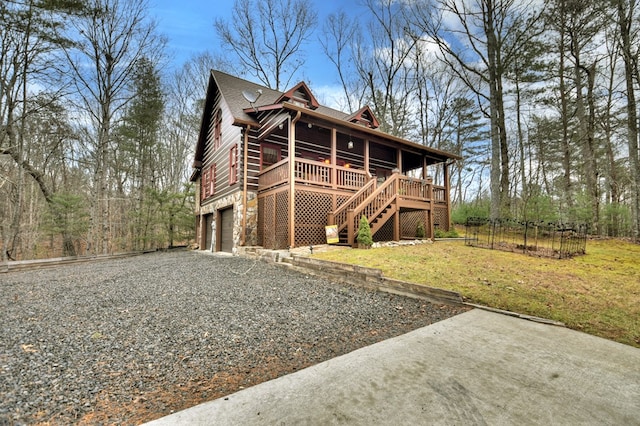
(441, 218)
(311, 211)
(385, 233)
(273, 220)
(409, 224)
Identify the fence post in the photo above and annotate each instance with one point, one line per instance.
(493, 231)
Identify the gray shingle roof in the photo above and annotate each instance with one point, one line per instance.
(231, 88)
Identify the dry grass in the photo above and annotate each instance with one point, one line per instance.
(598, 293)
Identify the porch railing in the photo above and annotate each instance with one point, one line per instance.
(414, 189)
(439, 194)
(275, 175)
(312, 173)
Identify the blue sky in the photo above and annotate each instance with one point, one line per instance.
(188, 25)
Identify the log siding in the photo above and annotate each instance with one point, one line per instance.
(289, 202)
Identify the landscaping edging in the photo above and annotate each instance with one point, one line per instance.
(373, 279)
(25, 265)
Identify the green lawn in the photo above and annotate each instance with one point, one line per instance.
(598, 293)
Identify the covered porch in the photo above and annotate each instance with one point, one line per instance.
(337, 175)
(315, 172)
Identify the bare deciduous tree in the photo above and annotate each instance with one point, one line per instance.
(337, 40)
(383, 60)
(484, 41)
(267, 37)
(114, 37)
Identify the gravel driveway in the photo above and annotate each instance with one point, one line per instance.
(129, 340)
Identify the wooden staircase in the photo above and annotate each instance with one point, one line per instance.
(376, 203)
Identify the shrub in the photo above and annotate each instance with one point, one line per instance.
(452, 233)
(364, 232)
(420, 231)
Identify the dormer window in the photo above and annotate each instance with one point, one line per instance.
(365, 117)
(301, 96)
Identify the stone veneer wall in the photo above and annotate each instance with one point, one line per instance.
(235, 201)
(251, 238)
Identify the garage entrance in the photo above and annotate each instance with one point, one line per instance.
(226, 230)
(208, 221)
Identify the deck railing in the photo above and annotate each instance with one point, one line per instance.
(275, 175)
(349, 178)
(439, 194)
(312, 173)
(416, 189)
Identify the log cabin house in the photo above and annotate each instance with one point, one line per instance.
(272, 169)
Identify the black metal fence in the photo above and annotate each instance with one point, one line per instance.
(543, 239)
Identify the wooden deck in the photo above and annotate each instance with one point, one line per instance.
(327, 194)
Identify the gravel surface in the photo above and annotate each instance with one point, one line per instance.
(129, 340)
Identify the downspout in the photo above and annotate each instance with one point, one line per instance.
(245, 156)
(292, 177)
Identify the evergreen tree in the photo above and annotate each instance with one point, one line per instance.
(138, 147)
(467, 136)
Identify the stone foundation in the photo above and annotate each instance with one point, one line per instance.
(234, 201)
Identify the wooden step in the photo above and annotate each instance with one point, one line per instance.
(382, 218)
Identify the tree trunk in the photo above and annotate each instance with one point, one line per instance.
(564, 105)
(630, 69)
(585, 129)
(498, 178)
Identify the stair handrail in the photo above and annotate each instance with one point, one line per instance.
(353, 215)
(339, 216)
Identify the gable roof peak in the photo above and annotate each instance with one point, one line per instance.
(365, 117)
(300, 95)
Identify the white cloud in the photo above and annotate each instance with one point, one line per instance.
(331, 96)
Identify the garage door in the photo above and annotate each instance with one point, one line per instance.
(226, 230)
(208, 220)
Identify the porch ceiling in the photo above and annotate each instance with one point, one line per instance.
(435, 155)
(271, 122)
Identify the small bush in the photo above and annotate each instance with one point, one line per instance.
(420, 231)
(452, 233)
(364, 232)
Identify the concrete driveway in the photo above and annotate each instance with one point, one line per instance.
(476, 368)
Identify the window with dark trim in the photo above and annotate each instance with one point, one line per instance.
(212, 180)
(203, 185)
(217, 130)
(233, 165)
(208, 182)
(269, 155)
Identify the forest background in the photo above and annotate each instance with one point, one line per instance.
(97, 133)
